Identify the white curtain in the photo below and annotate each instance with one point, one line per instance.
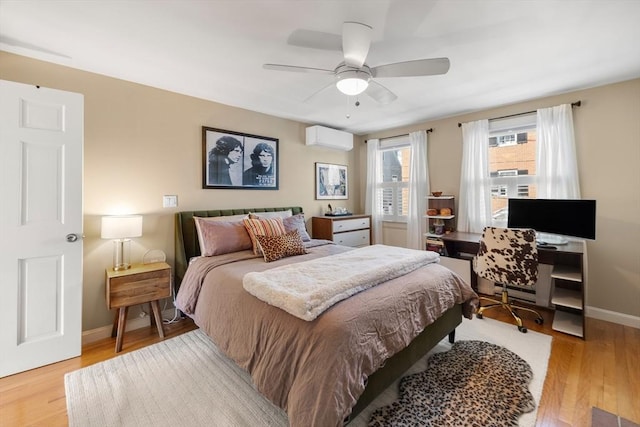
(557, 165)
(474, 211)
(418, 190)
(372, 202)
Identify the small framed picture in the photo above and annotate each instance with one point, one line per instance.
(332, 182)
(238, 160)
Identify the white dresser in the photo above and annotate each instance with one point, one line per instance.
(352, 230)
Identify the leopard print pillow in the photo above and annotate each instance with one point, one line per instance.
(282, 246)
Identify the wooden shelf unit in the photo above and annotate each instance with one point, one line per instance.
(568, 290)
(432, 239)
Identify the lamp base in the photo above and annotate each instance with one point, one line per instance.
(121, 254)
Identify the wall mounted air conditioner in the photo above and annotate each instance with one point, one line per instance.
(330, 138)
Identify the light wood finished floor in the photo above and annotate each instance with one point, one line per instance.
(602, 371)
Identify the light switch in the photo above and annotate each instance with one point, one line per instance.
(169, 201)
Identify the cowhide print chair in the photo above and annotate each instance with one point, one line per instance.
(508, 256)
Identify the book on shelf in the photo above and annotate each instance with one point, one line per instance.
(436, 245)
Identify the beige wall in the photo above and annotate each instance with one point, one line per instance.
(607, 131)
(142, 143)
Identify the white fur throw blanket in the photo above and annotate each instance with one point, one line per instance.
(308, 288)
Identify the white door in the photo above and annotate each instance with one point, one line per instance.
(41, 140)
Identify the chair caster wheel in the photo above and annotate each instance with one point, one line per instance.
(522, 329)
(539, 320)
(479, 315)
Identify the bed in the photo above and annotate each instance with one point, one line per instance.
(331, 368)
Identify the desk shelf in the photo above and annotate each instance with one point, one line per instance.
(567, 298)
(567, 294)
(440, 216)
(569, 323)
(571, 273)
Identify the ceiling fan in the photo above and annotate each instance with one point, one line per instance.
(353, 76)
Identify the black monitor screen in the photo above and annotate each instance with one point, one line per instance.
(575, 218)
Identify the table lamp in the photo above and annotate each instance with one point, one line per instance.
(120, 228)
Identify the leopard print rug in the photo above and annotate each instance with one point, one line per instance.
(473, 384)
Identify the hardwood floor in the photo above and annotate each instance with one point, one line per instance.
(603, 371)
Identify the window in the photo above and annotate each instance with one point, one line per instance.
(393, 188)
(512, 163)
(495, 169)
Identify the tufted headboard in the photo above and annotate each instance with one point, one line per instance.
(186, 237)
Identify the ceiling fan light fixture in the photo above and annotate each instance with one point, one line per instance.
(352, 82)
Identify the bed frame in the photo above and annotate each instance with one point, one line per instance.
(187, 246)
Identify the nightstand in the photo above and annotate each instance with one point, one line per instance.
(140, 284)
(348, 230)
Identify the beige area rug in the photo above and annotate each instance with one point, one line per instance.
(186, 381)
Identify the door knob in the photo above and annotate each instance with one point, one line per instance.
(72, 237)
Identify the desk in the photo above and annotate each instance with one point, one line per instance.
(568, 284)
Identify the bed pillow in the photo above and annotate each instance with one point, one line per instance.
(282, 246)
(296, 222)
(226, 218)
(263, 227)
(276, 214)
(221, 237)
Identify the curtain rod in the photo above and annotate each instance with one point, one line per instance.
(573, 104)
(404, 134)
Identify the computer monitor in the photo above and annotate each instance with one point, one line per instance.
(560, 217)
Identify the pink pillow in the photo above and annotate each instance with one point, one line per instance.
(221, 237)
(263, 227)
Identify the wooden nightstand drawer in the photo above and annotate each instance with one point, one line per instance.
(141, 288)
(138, 285)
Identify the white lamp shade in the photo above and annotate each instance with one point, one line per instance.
(121, 226)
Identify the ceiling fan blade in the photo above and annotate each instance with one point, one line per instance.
(420, 67)
(318, 92)
(315, 40)
(356, 40)
(296, 69)
(380, 93)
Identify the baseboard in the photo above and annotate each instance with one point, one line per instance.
(132, 323)
(612, 316)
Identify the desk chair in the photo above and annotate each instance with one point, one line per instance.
(508, 256)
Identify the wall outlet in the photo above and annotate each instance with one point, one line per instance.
(169, 201)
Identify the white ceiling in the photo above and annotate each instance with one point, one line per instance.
(501, 51)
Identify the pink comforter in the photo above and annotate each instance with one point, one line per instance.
(315, 370)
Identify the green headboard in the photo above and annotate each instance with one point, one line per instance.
(186, 238)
